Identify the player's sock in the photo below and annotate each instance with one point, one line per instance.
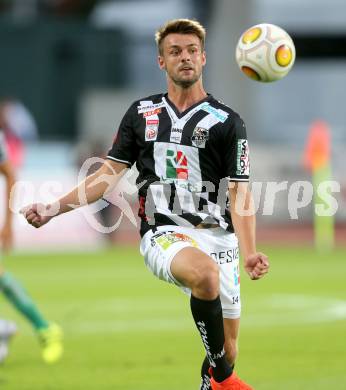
(205, 376)
(209, 321)
(17, 295)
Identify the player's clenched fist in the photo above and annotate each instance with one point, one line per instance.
(37, 214)
(256, 265)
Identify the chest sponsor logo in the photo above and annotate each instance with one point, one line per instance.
(149, 107)
(243, 161)
(151, 129)
(176, 135)
(199, 137)
(176, 165)
(152, 113)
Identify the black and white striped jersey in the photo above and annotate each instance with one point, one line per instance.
(185, 160)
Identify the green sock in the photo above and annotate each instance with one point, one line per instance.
(19, 298)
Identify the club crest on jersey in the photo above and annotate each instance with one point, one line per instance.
(151, 129)
(199, 137)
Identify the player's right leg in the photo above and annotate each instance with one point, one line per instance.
(50, 335)
(174, 257)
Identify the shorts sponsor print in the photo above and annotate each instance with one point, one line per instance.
(168, 238)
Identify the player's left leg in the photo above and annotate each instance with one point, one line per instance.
(49, 334)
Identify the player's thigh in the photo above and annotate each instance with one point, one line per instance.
(193, 268)
(159, 248)
(172, 254)
(231, 330)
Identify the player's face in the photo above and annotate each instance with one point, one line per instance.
(182, 58)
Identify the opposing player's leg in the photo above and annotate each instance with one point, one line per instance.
(20, 299)
(50, 335)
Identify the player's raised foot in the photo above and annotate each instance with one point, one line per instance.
(51, 341)
(233, 382)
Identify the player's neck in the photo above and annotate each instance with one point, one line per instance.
(183, 98)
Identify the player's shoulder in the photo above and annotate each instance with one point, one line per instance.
(230, 115)
(149, 100)
(147, 103)
(220, 105)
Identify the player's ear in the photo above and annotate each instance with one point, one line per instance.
(161, 62)
(204, 57)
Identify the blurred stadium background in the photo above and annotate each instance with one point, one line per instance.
(77, 65)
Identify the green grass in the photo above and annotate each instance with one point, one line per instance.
(125, 330)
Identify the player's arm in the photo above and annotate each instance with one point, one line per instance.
(91, 189)
(122, 155)
(244, 222)
(7, 171)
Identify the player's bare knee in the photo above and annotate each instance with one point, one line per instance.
(231, 349)
(207, 282)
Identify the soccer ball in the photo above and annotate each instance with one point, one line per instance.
(265, 52)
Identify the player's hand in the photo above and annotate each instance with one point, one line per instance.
(6, 238)
(36, 214)
(256, 265)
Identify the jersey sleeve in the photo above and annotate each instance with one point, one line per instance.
(124, 148)
(3, 148)
(236, 151)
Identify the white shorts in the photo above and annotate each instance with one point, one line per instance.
(160, 247)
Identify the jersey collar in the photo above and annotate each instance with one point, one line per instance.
(179, 114)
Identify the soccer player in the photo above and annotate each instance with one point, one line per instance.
(190, 150)
(49, 334)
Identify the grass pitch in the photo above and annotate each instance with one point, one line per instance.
(125, 330)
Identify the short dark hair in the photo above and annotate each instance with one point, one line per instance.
(180, 26)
